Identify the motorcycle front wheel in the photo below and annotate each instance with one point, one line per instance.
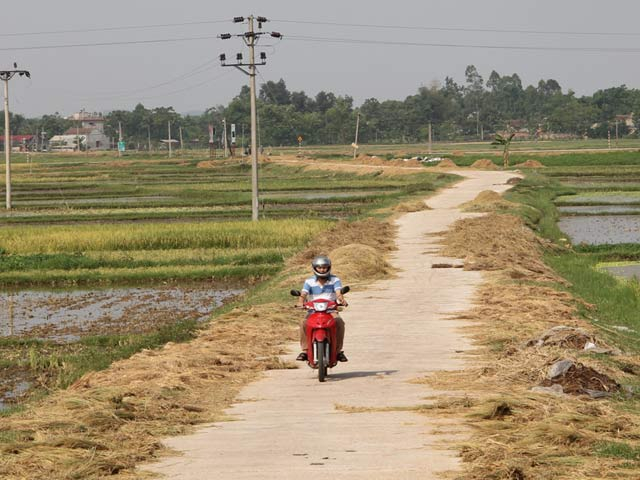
(322, 361)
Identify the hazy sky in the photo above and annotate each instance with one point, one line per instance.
(187, 75)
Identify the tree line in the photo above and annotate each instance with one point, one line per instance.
(474, 109)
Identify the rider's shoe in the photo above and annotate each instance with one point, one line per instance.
(302, 357)
(342, 357)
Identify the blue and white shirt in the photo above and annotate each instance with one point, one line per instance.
(327, 291)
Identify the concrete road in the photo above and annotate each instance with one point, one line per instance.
(288, 426)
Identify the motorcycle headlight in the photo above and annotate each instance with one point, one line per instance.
(321, 306)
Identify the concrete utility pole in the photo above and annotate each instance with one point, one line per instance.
(430, 144)
(169, 127)
(250, 38)
(7, 75)
(224, 140)
(355, 143)
(149, 136)
(181, 143)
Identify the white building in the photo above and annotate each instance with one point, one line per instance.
(88, 132)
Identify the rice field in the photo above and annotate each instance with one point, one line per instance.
(99, 219)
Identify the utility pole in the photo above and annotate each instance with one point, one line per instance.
(224, 132)
(430, 144)
(616, 133)
(169, 127)
(355, 143)
(149, 137)
(7, 75)
(250, 38)
(181, 143)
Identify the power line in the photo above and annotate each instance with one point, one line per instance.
(195, 71)
(110, 29)
(360, 41)
(187, 88)
(103, 44)
(463, 29)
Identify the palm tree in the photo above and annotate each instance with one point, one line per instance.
(506, 143)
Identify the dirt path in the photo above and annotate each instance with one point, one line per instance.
(287, 424)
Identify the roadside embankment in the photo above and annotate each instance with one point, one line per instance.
(545, 395)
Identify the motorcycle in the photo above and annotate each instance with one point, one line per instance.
(322, 353)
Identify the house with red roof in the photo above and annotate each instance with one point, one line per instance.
(20, 143)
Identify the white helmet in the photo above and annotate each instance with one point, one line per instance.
(321, 261)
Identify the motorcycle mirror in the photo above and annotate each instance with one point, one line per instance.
(345, 289)
(295, 293)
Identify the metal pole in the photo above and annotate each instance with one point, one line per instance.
(254, 121)
(7, 142)
(169, 124)
(355, 144)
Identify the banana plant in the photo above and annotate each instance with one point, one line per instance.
(506, 143)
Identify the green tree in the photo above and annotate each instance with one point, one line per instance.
(506, 144)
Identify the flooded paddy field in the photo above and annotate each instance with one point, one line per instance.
(41, 327)
(601, 229)
(67, 315)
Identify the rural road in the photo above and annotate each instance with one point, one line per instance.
(288, 426)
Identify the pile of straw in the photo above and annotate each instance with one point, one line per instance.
(488, 201)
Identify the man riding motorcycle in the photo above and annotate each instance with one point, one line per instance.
(326, 286)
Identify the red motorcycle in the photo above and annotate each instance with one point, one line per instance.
(321, 334)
